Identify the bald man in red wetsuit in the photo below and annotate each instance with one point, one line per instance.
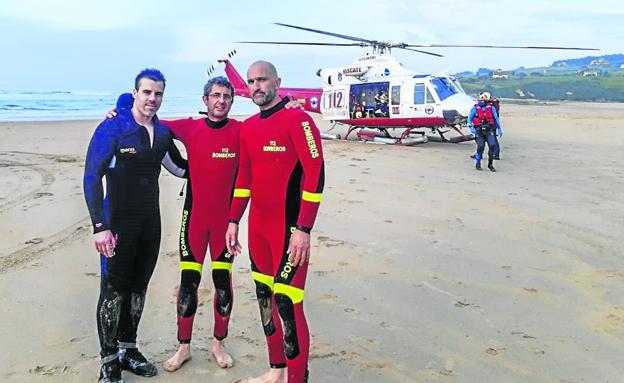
(282, 170)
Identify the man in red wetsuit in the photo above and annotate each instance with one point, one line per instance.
(281, 169)
(212, 146)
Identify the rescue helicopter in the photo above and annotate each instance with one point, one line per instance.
(376, 93)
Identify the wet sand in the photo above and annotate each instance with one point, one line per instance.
(423, 269)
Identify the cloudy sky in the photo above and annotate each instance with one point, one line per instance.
(84, 45)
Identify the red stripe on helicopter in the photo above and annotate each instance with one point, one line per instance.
(406, 122)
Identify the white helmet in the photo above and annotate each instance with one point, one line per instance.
(485, 96)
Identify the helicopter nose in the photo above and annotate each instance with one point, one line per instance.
(460, 103)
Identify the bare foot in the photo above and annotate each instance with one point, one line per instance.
(275, 375)
(181, 356)
(224, 360)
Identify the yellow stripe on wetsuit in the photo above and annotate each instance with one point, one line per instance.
(242, 193)
(312, 197)
(191, 266)
(295, 294)
(217, 265)
(263, 278)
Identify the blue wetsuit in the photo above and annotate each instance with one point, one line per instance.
(120, 150)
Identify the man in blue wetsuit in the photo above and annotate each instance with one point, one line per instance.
(128, 150)
(485, 125)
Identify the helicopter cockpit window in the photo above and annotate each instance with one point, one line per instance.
(457, 85)
(419, 94)
(443, 87)
(396, 95)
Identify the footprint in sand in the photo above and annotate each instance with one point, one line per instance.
(92, 274)
(495, 350)
(328, 242)
(49, 370)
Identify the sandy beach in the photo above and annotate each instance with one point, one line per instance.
(423, 269)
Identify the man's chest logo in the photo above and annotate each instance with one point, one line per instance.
(224, 153)
(273, 147)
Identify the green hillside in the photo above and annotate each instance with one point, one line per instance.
(564, 80)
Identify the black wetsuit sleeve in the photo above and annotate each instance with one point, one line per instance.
(174, 163)
(99, 155)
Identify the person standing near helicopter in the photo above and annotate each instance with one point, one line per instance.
(485, 125)
(495, 103)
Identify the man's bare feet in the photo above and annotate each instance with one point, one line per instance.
(181, 356)
(223, 359)
(275, 375)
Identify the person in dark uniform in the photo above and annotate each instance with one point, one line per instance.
(485, 125)
(495, 103)
(128, 150)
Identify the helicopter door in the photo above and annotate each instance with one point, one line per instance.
(420, 102)
(335, 105)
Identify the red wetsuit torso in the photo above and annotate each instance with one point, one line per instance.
(281, 167)
(213, 161)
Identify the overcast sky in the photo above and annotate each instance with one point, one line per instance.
(100, 45)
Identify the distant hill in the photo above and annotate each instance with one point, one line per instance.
(612, 61)
(591, 78)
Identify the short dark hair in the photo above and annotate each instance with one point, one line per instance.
(152, 74)
(219, 80)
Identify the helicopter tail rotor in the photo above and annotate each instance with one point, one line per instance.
(214, 66)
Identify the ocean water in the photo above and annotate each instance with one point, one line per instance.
(26, 105)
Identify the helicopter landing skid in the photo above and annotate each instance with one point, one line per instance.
(453, 140)
(382, 136)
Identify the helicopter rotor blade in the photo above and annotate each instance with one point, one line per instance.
(300, 43)
(495, 46)
(329, 33)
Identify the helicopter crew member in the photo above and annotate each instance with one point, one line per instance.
(282, 170)
(494, 102)
(381, 101)
(485, 125)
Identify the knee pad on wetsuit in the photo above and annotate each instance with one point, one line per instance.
(287, 313)
(221, 279)
(264, 294)
(187, 295)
